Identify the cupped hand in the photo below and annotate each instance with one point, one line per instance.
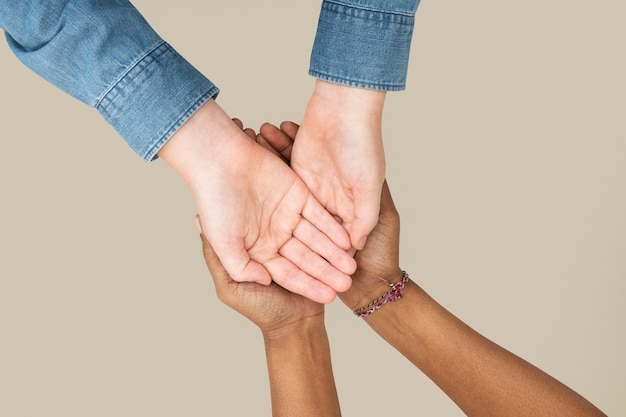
(380, 256)
(270, 307)
(339, 154)
(260, 218)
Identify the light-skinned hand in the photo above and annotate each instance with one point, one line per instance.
(380, 256)
(339, 154)
(270, 307)
(258, 215)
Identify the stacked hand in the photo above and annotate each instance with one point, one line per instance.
(258, 215)
(272, 307)
(380, 255)
(268, 222)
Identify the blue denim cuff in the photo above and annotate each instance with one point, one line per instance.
(362, 46)
(153, 99)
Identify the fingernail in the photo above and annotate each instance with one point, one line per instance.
(362, 242)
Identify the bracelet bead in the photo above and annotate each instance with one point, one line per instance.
(394, 294)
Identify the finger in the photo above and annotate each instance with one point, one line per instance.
(261, 141)
(198, 223)
(387, 206)
(217, 270)
(314, 265)
(238, 260)
(366, 213)
(221, 279)
(238, 122)
(362, 226)
(320, 244)
(250, 133)
(290, 129)
(277, 139)
(242, 268)
(291, 278)
(319, 217)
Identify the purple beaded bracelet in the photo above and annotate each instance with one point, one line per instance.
(394, 294)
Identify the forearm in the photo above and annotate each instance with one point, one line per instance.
(300, 371)
(205, 146)
(481, 377)
(364, 104)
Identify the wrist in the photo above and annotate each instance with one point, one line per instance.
(395, 292)
(368, 103)
(367, 286)
(303, 332)
(206, 145)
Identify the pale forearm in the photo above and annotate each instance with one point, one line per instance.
(205, 146)
(363, 103)
(481, 377)
(300, 372)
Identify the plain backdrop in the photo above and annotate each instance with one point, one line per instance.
(506, 157)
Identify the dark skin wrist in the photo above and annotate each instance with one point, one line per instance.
(367, 286)
(300, 370)
(294, 333)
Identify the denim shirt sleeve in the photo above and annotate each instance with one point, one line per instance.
(364, 43)
(105, 54)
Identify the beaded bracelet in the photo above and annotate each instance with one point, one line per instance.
(394, 294)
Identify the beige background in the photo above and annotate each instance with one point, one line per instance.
(507, 159)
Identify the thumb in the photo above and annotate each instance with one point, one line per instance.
(248, 270)
(216, 269)
(365, 220)
(236, 265)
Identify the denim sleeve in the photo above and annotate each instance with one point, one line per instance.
(364, 43)
(105, 54)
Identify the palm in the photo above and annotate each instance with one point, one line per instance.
(340, 157)
(380, 256)
(261, 222)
